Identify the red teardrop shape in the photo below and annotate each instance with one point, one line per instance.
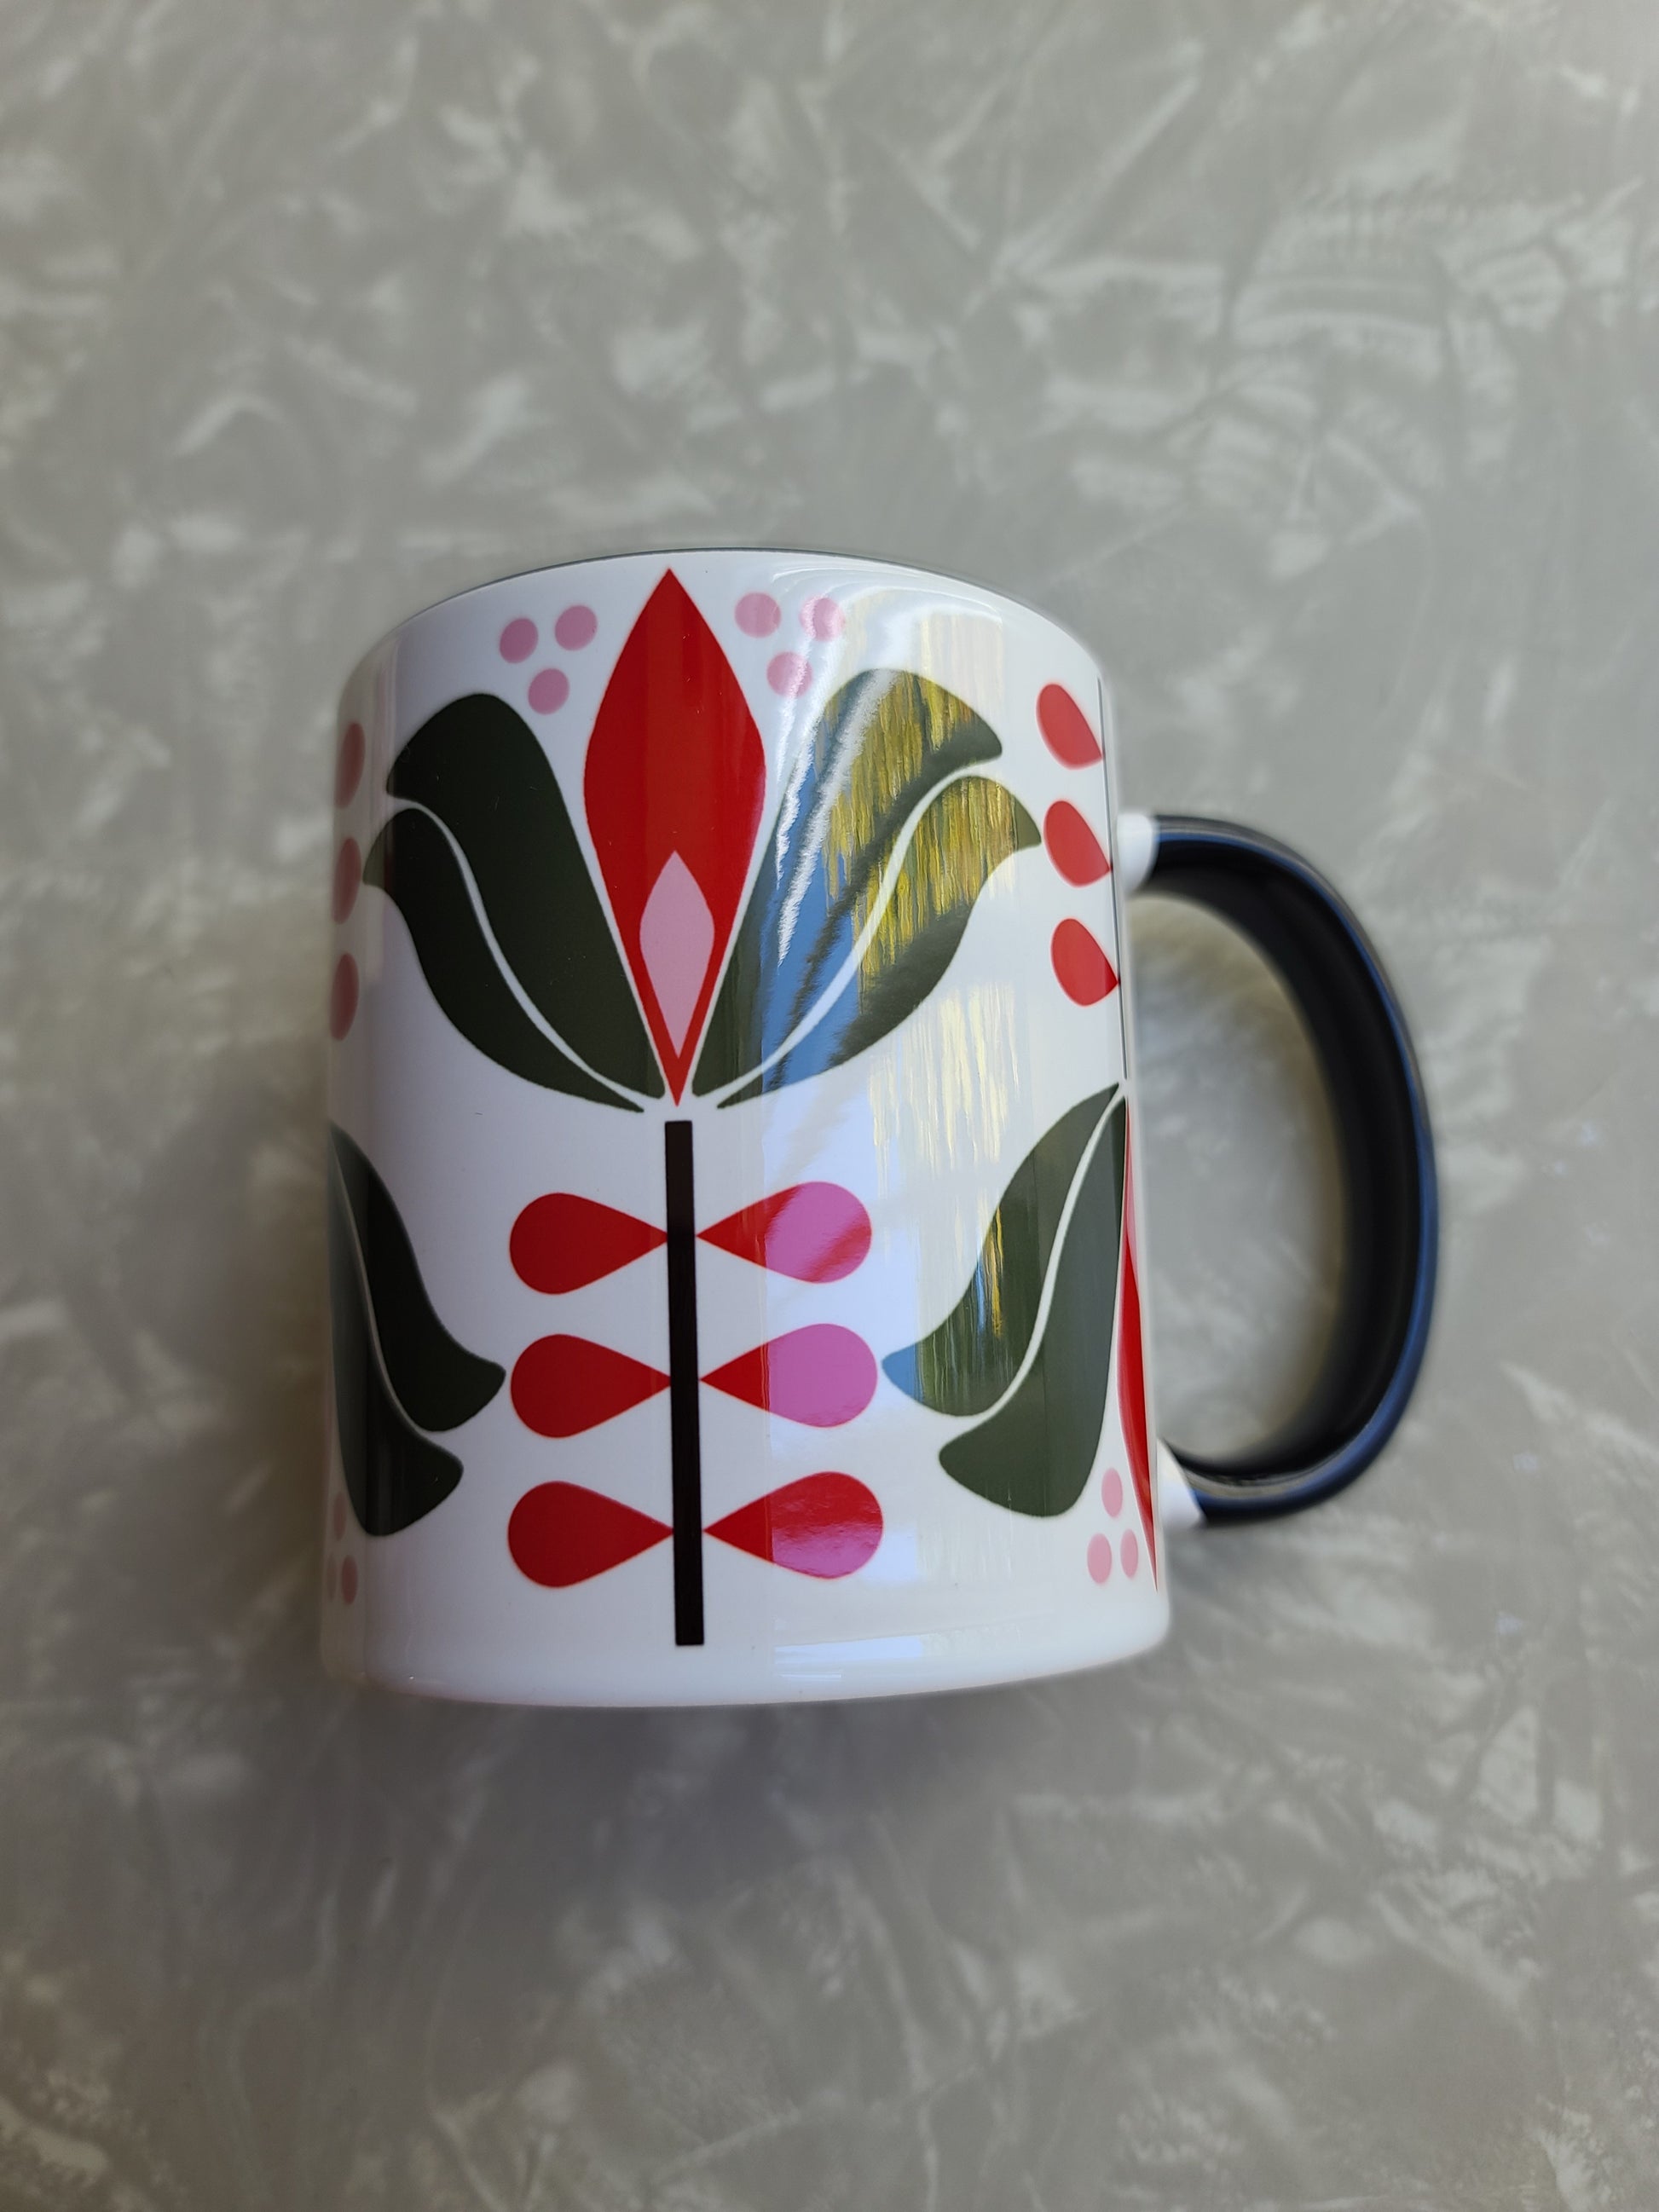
(1132, 1373)
(1072, 845)
(825, 1524)
(821, 1376)
(348, 877)
(348, 764)
(561, 1242)
(563, 1385)
(1085, 972)
(560, 1534)
(343, 997)
(676, 773)
(1064, 727)
(816, 1231)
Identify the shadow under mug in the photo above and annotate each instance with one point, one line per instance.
(734, 1242)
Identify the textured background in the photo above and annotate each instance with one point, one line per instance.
(1305, 359)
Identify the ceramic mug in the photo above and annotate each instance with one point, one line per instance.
(737, 1281)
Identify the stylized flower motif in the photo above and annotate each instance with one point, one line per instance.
(1063, 1225)
(835, 945)
(399, 1373)
(696, 969)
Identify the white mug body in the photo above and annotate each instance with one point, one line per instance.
(733, 1223)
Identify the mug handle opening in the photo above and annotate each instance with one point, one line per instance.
(1386, 1150)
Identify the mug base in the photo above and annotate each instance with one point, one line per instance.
(820, 1673)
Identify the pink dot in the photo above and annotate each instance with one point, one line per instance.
(575, 627)
(343, 997)
(1111, 1492)
(348, 874)
(348, 766)
(788, 673)
(349, 1581)
(1131, 1552)
(822, 617)
(1099, 1557)
(548, 689)
(339, 1514)
(758, 614)
(518, 640)
(330, 1578)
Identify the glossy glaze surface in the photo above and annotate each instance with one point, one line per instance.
(836, 1408)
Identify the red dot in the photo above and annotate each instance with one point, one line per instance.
(1064, 727)
(1085, 972)
(343, 997)
(1131, 1552)
(348, 874)
(1072, 845)
(822, 617)
(758, 614)
(330, 1577)
(788, 673)
(518, 640)
(348, 766)
(349, 1580)
(1099, 1557)
(339, 1514)
(1111, 1492)
(575, 627)
(548, 689)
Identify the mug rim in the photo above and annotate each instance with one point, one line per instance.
(766, 552)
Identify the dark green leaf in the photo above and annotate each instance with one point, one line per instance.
(414, 863)
(963, 836)
(968, 1363)
(476, 765)
(1034, 1454)
(438, 1382)
(884, 742)
(393, 1475)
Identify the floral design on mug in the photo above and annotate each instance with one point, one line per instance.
(397, 1371)
(696, 969)
(1060, 1246)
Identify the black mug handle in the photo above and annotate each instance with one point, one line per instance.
(1387, 1153)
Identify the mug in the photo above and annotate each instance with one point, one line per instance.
(734, 1194)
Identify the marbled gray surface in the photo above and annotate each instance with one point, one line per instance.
(1304, 358)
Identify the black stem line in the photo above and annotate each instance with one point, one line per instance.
(683, 1415)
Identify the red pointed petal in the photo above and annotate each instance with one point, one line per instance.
(675, 767)
(815, 1231)
(1085, 972)
(825, 1524)
(1072, 845)
(1064, 727)
(564, 1384)
(821, 1376)
(1131, 1376)
(560, 1534)
(562, 1240)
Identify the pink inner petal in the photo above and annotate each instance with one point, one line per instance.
(677, 940)
(822, 1375)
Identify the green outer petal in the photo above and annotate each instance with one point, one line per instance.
(394, 1476)
(413, 862)
(967, 1364)
(1034, 1454)
(884, 742)
(438, 1382)
(478, 766)
(958, 844)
